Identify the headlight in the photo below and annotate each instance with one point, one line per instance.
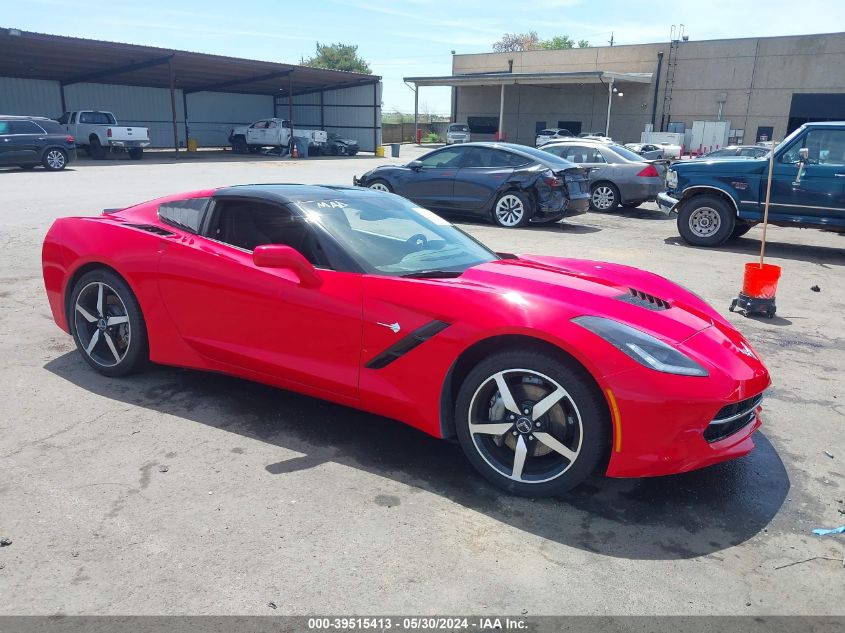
(671, 179)
(643, 348)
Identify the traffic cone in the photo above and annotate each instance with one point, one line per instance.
(295, 152)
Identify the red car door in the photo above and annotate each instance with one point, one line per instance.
(261, 319)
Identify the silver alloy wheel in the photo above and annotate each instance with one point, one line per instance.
(102, 324)
(705, 222)
(509, 210)
(56, 159)
(603, 197)
(379, 186)
(525, 425)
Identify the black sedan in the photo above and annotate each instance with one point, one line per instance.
(509, 184)
(340, 146)
(31, 141)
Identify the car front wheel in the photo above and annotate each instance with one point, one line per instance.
(531, 423)
(706, 221)
(380, 185)
(107, 325)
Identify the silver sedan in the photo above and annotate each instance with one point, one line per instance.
(618, 176)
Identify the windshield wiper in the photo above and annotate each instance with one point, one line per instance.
(428, 274)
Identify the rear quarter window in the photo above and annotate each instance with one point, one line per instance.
(51, 127)
(184, 214)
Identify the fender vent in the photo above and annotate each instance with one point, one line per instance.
(643, 299)
(152, 228)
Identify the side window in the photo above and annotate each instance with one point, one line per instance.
(246, 224)
(86, 117)
(259, 125)
(73, 118)
(594, 155)
(24, 127)
(4, 127)
(827, 147)
(271, 125)
(185, 214)
(444, 158)
(51, 127)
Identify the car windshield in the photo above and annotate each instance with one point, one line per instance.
(458, 128)
(389, 235)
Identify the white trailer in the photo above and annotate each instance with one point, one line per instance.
(708, 136)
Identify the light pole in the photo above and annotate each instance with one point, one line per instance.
(609, 103)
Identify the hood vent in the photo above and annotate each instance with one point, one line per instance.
(643, 299)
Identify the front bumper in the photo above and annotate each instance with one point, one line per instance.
(670, 424)
(666, 203)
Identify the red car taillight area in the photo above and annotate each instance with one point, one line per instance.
(108, 132)
(649, 171)
(553, 181)
(70, 140)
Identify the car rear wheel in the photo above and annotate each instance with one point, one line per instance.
(604, 196)
(96, 149)
(380, 185)
(135, 153)
(512, 210)
(55, 159)
(530, 423)
(706, 221)
(107, 325)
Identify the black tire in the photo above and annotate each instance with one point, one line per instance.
(706, 220)
(380, 185)
(54, 159)
(252, 149)
(135, 153)
(512, 210)
(119, 349)
(604, 196)
(580, 420)
(239, 145)
(97, 151)
(741, 229)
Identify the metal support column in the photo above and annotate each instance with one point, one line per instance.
(290, 109)
(502, 114)
(185, 110)
(322, 111)
(375, 117)
(609, 103)
(416, 113)
(173, 106)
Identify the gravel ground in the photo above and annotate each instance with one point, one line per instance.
(179, 492)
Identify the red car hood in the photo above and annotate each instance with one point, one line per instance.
(578, 287)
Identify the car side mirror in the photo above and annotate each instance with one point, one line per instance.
(804, 154)
(416, 165)
(281, 256)
(803, 157)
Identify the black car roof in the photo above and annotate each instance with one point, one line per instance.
(288, 192)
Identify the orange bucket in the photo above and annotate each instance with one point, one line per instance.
(760, 282)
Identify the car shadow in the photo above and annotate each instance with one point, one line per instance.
(560, 226)
(677, 517)
(634, 214)
(821, 255)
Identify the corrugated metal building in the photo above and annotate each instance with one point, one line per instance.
(205, 95)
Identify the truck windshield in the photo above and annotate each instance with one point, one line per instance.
(389, 235)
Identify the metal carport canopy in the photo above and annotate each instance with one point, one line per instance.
(70, 60)
(504, 78)
(509, 79)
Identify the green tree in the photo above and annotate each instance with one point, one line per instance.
(563, 42)
(338, 57)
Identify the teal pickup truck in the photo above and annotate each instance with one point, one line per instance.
(720, 199)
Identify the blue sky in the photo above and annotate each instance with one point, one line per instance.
(411, 37)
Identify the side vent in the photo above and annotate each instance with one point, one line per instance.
(644, 300)
(152, 228)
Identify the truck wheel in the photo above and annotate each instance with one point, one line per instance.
(135, 153)
(239, 145)
(97, 151)
(706, 221)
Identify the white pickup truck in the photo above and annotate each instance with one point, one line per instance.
(98, 133)
(273, 133)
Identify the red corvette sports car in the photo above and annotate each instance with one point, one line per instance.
(545, 369)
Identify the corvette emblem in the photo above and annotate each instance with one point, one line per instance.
(744, 349)
(394, 327)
